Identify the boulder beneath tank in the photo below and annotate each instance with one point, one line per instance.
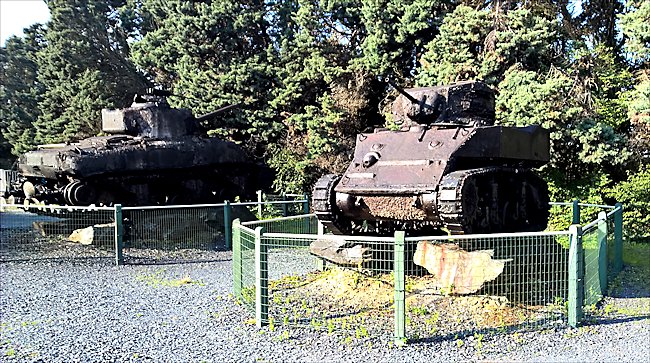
(458, 271)
(340, 251)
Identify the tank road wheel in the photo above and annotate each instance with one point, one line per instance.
(324, 203)
(78, 193)
(537, 202)
(492, 200)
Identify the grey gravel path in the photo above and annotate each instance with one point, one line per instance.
(87, 310)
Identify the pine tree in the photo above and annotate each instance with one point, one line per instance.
(211, 54)
(20, 90)
(84, 67)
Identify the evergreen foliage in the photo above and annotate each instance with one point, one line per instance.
(20, 90)
(309, 75)
(84, 67)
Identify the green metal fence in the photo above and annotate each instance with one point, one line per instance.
(277, 205)
(133, 235)
(55, 232)
(391, 289)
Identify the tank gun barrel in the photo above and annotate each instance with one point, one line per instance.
(212, 114)
(403, 92)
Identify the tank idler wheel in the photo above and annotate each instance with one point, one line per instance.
(324, 203)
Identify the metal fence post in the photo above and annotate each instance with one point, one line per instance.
(576, 212)
(618, 238)
(305, 210)
(400, 303)
(227, 224)
(119, 235)
(261, 280)
(259, 205)
(236, 259)
(284, 204)
(305, 204)
(602, 252)
(321, 264)
(576, 293)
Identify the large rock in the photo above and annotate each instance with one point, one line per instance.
(97, 234)
(340, 251)
(456, 270)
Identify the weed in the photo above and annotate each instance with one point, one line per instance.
(459, 343)
(156, 280)
(315, 323)
(284, 335)
(447, 290)
(271, 324)
(277, 299)
(609, 308)
(433, 319)
(361, 332)
(10, 352)
(419, 310)
(330, 326)
(250, 322)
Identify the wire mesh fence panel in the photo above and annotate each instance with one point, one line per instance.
(455, 285)
(283, 205)
(592, 251)
(173, 234)
(473, 285)
(246, 265)
(55, 232)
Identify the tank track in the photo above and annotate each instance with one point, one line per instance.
(325, 208)
(493, 199)
(484, 200)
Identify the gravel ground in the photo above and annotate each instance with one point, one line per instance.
(72, 306)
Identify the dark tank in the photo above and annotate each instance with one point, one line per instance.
(447, 167)
(153, 154)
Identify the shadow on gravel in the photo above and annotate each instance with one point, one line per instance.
(632, 282)
(523, 328)
(520, 328)
(60, 260)
(155, 262)
(616, 320)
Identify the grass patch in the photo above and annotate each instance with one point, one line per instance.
(157, 279)
(636, 254)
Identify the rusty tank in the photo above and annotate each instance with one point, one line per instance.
(152, 154)
(448, 167)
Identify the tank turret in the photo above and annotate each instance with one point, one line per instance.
(459, 103)
(449, 167)
(154, 154)
(151, 116)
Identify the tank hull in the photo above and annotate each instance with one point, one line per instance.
(138, 171)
